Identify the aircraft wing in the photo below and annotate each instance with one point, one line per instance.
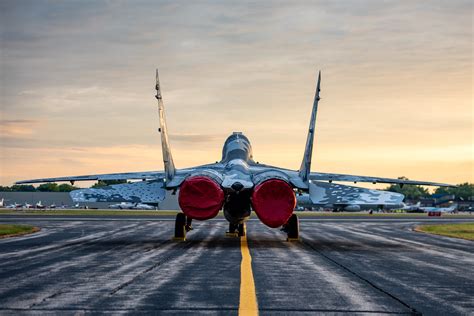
(319, 176)
(107, 176)
(152, 191)
(323, 193)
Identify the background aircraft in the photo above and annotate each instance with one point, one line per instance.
(40, 205)
(449, 209)
(237, 184)
(411, 207)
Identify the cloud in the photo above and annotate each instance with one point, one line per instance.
(17, 128)
(394, 72)
(195, 138)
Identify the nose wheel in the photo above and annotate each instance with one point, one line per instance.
(292, 228)
(236, 230)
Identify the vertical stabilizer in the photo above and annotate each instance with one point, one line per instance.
(165, 145)
(308, 151)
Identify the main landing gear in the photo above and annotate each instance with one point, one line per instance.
(236, 230)
(182, 226)
(292, 228)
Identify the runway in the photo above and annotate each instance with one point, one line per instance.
(130, 265)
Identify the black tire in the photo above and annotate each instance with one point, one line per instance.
(180, 226)
(242, 230)
(232, 228)
(293, 227)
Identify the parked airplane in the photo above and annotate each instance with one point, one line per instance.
(27, 205)
(411, 207)
(237, 184)
(433, 209)
(2, 203)
(40, 205)
(132, 206)
(15, 205)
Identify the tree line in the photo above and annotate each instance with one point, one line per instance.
(463, 191)
(54, 187)
(412, 192)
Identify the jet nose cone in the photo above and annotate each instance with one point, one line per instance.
(237, 186)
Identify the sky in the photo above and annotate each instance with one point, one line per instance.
(77, 85)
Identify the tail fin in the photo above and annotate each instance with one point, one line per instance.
(308, 151)
(165, 146)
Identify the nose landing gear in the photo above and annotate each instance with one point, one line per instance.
(236, 230)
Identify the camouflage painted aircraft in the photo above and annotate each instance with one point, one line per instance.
(237, 184)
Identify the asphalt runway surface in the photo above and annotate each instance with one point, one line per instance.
(129, 265)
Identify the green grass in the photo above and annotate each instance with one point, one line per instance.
(464, 231)
(7, 230)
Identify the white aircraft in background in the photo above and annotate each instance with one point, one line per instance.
(433, 209)
(2, 202)
(27, 205)
(15, 205)
(40, 205)
(411, 207)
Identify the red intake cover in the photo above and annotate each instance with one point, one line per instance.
(274, 202)
(200, 197)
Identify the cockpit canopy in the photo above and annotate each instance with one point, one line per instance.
(237, 146)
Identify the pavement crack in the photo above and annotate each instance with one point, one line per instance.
(342, 266)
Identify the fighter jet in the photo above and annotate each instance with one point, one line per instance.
(237, 184)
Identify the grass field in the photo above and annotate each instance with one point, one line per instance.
(7, 230)
(464, 231)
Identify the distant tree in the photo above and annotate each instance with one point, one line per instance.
(5, 188)
(103, 183)
(463, 191)
(66, 187)
(48, 187)
(410, 191)
(22, 188)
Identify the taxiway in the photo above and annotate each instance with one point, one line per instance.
(129, 265)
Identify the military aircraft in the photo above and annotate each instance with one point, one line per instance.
(237, 184)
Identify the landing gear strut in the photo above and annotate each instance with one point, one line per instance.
(292, 228)
(182, 226)
(237, 230)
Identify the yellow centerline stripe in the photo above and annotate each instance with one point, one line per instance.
(248, 299)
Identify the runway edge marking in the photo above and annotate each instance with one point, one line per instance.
(248, 298)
